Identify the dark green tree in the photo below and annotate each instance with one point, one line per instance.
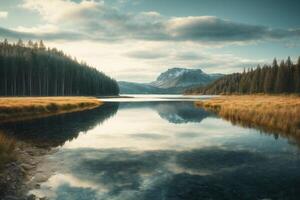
(297, 76)
(269, 79)
(281, 79)
(35, 70)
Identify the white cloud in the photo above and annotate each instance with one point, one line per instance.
(153, 14)
(60, 10)
(46, 28)
(99, 21)
(3, 14)
(116, 59)
(139, 46)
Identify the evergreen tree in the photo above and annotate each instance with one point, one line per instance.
(281, 79)
(255, 81)
(37, 71)
(20, 43)
(30, 44)
(269, 79)
(297, 77)
(274, 71)
(268, 83)
(289, 73)
(41, 45)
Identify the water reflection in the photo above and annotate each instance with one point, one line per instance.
(293, 137)
(171, 150)
(56, 130)
(181, 112)
(174, 112)
(209, 173)
(33, 141)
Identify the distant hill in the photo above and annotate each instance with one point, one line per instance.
(276, 79)
(172, 81)
(139, 88)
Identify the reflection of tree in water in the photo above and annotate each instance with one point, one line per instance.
(292, 136)
(55, 130)
(35, 138)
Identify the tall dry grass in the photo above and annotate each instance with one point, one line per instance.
(20, 108)
(272, 113)
(7, 146)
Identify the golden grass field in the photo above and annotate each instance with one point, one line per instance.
(21, 108)
(271, 113)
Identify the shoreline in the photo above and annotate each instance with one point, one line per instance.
(14, 109)
(18, 174)
(271, 113)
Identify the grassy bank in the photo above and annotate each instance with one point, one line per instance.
(6, 149)
(22, 108)
(270, 113)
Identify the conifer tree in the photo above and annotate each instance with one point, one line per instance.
(268, 83)
(297, 76)
(269, 79)
(35, 70)
(281, 79)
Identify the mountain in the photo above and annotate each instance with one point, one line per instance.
(172, 81)
(181, 78)
(139, 88)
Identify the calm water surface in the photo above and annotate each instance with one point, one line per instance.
(159, 147)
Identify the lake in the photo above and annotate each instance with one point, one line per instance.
(156, 147)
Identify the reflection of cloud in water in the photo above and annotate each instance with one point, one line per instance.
(121, 174)
(61, 182)
(137, 155)
(209, 159)
(152, 136)
(143, 129)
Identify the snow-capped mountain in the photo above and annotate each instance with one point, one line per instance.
(174, 80)
(182, 77)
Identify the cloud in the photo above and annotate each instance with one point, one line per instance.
(146, 54)
(189, 56)
(152, 14)
(57, 10)
(138, 46)
(37, 34)
(132, 2)
(209, 28)
(3, 14)
(99, 21)
(42, 29)
(183, 55)
(163, 52)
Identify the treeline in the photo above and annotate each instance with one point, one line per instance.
(34, 70)
(270, 79)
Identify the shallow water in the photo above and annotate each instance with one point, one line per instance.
(159, 147)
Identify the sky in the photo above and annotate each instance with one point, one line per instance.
(136, 40)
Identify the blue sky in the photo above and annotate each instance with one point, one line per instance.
(135, 40)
